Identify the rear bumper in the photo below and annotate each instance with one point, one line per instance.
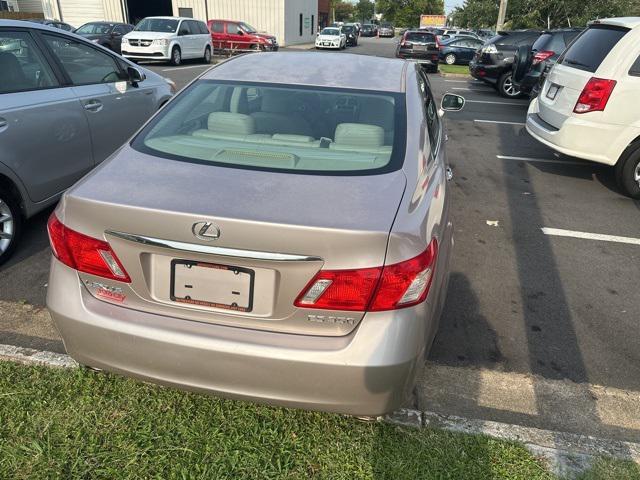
(488, 73)
(368, 372)
(579, 137)
(428, 57)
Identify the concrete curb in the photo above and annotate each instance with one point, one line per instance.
(455, 75)
(566, 454)
(29, 356)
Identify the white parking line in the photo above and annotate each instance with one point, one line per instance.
(184, 68)
(544, 160)
(499, 122)
(457, 81)
(498, 103)
(558, 232)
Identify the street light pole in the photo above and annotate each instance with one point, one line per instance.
(501, 14)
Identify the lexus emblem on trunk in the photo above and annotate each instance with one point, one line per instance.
(206, 231)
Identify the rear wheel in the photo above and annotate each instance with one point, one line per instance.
(628, 171)
(10, 223)
(207, 55)
(450, 59)
(506, 88)
(176, 56)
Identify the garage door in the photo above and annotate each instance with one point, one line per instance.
(79, 12)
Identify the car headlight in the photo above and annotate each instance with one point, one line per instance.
(125, 40)
(161, 42)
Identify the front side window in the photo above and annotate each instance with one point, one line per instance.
(95, 29)
(233, 29)
(157, 25)
(431, 114)
(22, 66)
(277, 128)
(83, 63)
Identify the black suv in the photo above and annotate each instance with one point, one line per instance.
(352, 35)
(493, 62)
(421, 46)
(531, 64)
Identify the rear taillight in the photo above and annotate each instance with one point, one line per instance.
(542, 56)
(372, 289)
(595, 95)
(83, 253)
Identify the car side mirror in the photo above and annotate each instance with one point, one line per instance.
(240, 32)
(135, 76)
(116, 34)
(451, 103)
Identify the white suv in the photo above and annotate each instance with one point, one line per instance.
(589, 104)
(168, 38)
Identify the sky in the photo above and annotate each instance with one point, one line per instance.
(449, 5)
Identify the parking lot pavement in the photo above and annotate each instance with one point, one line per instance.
(556, 305)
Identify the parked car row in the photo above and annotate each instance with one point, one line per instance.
(337, 37)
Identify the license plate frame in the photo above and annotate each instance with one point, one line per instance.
(247, 274)
(552, 91)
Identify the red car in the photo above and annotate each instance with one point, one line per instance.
(231, 35)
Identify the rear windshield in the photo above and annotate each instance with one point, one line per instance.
(280, 128)
(421, 37)
(157, 25)
(589, 50)
(549, 42)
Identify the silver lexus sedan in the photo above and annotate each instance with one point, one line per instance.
(279, 232)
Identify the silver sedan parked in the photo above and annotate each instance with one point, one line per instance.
(273, 234)
(66, 104)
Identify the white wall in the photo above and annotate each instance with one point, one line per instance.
(309, 11)
(197, 6)
(79, 12)
(27, 5)
(263, 15)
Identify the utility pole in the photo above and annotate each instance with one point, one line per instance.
(501, 14)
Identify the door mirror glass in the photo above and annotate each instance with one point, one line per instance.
(135, 75)
(452, 102)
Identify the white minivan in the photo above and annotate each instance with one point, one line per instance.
(171, 39)
(588, 105)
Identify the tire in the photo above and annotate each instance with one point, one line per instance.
(255, 48)
(627, 171)
(506, 88)
(521, 62)
(207, 55)
(12, 226)
(176, 56)
(450, 59)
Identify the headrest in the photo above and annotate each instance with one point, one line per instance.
(233, 123)
(287, 137)
(359, 134)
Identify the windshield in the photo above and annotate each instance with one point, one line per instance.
(95, 29)
(589, 50)
(157, 25)
(348, 29)
(247, 28)
(280, 128)
(330, 31)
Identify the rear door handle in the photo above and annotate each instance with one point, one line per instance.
(93, 105)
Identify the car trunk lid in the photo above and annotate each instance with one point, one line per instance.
(274, 232)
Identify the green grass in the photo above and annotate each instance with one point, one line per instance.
(444, 68)
(68, 424)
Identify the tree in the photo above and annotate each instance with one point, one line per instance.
(344, 10)
(364, 10)
(407, 12)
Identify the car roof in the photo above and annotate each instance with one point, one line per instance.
(315, 69)
(628, 22)
(21, 24)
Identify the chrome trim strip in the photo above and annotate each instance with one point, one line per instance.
(208, 249)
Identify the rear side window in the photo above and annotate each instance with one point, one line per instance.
(217, 27)
(21, 64)
(635, 68)
(420, 37)
(590, 49)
